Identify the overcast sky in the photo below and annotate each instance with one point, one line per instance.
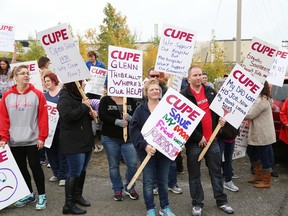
(266, 19)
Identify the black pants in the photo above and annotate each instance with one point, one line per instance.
(32, 153)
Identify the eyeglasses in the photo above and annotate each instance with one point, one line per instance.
(155, 76)
(24, 73)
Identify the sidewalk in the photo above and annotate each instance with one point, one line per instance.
(248, 201)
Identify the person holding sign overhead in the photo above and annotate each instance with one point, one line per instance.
(76, 142)
(24, 127)
(92, 61)
(110, 113)
(159, 163)
(203, 96)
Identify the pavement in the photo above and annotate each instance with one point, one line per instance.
(248, 201)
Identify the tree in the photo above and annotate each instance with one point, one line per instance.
(217, 68)
(34, 52)
(150, 55)
(113, 31)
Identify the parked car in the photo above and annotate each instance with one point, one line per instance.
(279, 95)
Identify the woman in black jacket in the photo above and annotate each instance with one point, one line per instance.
(76, 142)
(110, 113)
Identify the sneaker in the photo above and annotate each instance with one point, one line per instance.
(230, 186)
(196, 211)
(53, 179)
(155, 190)
(274, 174)
(166, 211)
(235, 176)
(27, 199)
(227, 209)
(41, 204)
(132, 194)
(151, 212)
(98, 148)
(62, 182)
(118, 196)
(175, 189)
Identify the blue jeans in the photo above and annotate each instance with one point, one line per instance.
(114, 148)
(213, 162)
(172, 177)
(261, 153)
(77, 163)
(228, 149)
(160, 165)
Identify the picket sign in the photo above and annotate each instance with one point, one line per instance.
(140, 169)
(171, 80)
(84, 97)
(125, 134)
(179, 117)
(211, 139)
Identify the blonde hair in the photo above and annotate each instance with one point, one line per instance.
(150, 82)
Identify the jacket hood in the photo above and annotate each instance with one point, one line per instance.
(15, 91)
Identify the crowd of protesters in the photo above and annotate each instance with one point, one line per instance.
(24, 127)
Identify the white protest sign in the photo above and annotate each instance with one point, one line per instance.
(35, 77)
(241, 141)
(63, 53)
(236, 96)
(279, 67)
(124, 72)
(259, 59)
(53, 116)
(96, 82)
(176, 84)
(12, 184)
(7, 37)
(175, 50)
(171, 123)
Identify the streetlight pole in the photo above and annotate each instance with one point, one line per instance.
(238, 32)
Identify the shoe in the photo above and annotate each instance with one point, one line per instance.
(235, 176)
(53, 179)
(196, 211)
(62, 182)
(166, 211)
(151, 212)
(132, 194)
(175, 189)
(274, 174)
(98, 148)
(155, 190)
(41, 204)
(230, 186)
(118, 196)
(227, 209)
(48, 165)
(27, 199)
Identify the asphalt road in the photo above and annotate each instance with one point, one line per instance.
(248, 201)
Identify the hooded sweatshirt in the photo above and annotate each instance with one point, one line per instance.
(23, 117)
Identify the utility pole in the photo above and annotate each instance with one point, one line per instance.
(238, 32)
(212, 46)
